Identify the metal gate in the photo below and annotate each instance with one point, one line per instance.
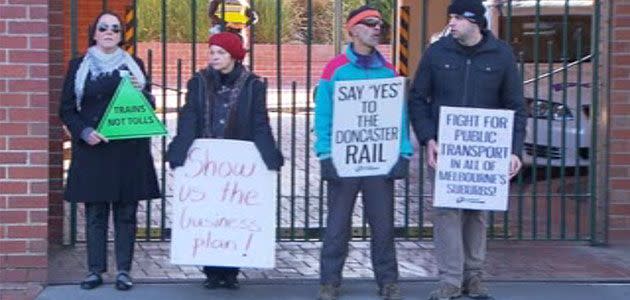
(556, 45)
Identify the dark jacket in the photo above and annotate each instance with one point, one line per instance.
(121, 170)
(447, 75)
(249, 121)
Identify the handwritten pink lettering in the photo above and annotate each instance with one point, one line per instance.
(186, 220)
(233, 194)
(208, 242)
(201, 163)
(191, 194)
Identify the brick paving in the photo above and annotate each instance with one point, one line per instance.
(507, 260)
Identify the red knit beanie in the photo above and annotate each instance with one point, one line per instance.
(231, 42)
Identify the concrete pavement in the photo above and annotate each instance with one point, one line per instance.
(351, 290)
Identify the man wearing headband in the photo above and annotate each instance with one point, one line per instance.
(360, 61)
(467, 68)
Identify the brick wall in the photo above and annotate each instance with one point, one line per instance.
(24, 142)
(619, 185)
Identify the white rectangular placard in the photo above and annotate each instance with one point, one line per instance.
(366, 130)
(475, 147)
(224, 207)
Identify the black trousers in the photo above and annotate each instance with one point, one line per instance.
(97, 216)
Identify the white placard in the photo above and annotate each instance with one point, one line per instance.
(475, 147)
(366, 130)
(224, 207)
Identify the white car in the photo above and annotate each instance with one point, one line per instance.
(557, 127)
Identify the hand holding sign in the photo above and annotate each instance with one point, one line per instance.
(94, 138)
(515, 166)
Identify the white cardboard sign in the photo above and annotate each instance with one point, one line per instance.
(224, 207)
(366, 130)
(475, 147)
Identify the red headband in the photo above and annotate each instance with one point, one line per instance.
(366, 14)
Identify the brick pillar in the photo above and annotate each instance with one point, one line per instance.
(619, 185)
(56, 66)
(24, 150)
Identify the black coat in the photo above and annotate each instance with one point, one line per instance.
(249, 121)
(121, 170)
(447, 75)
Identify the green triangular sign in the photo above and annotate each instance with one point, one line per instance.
(129, 115)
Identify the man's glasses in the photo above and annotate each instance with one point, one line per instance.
(371, 22)
(102, 27)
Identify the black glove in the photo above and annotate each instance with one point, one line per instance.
(328, 170)
(400, 170)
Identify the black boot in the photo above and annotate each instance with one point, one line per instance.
(231, 282)
(91, 281)
(123, 281)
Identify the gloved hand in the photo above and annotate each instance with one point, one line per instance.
(328, 171)
(400, 170)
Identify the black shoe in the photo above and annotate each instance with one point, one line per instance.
(91, 281)
(123, 281)
(212, 282)
(231, 283)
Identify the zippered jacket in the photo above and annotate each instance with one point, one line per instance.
(345, 67)
(447, 75)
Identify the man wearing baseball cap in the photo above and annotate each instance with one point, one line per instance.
(360, 61)
(467, 68)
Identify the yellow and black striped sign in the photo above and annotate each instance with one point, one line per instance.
(403, 50)
(130, 30)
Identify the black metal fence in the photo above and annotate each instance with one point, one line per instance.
(553, 198)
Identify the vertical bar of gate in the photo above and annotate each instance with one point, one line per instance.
(252, 36)
(338, 33)
(307, 146)
(578, 173)
(279, 176)
(563, 141)
(223, 15)
(164, 103)
(104, 4)
(521, 183)
(293, 160)
(535, 121)
(179, 85)
(595, 117)
(279, 86)
(193, 38)
(74, 53)
(506, 214)
(135, 25)
(421, 175)
(425, 29)
(549, 133)
(394, 31)
(508, 39)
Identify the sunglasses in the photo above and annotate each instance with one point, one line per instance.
(371, 22)
(102, 27)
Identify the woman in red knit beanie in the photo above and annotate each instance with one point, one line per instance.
(225, 101)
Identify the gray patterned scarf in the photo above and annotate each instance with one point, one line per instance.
(96, 63)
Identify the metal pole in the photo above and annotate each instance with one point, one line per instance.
(338, 33)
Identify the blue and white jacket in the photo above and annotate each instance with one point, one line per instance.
(346, 67)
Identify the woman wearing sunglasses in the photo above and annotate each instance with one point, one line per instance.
(225, 101)
(105, 175)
